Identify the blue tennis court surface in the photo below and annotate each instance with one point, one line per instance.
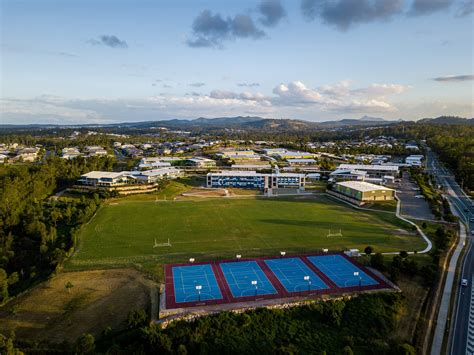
(291, 272)
(239, 277)
(341, 271)
(186, 278)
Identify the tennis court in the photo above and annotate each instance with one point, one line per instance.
(187, 278)
(291, 273)
(240, 275)
(267, 278)
(341, 271)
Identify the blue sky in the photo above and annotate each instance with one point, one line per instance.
(109, 61)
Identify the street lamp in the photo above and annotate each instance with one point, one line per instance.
(283, 253)
(356, 274)
(254, 283)
(191, 260)
(238, 256)
(306, 278)
(199, 288)
(325, 250)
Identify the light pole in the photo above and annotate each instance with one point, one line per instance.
(306, 278)
(191, 260)
(356, 274)
(199, 288)
(238, 256)
(283, 253)
(254, 282)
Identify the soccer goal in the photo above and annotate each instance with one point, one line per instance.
(335, 234)
(158, 245)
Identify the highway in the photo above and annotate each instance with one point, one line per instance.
(462, 338)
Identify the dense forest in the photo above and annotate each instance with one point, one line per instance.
(36, 233)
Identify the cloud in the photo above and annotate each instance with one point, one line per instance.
(45, 109)
(222, 94)
(243, 26)
(345, 13)
(211, 30)
(465, 8)
(296, 93)
(249, 85)
(454, 78)
(272, 12)
(197, 85)
(109, 41)
(338, 97)
(424, 7)
(379, 90)
(286, 99)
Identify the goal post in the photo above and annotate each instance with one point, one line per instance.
(335, 234)
(165, 244)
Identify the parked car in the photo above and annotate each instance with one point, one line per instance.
(419, 196)
(464, 282)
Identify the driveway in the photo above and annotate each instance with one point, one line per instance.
(412, 206)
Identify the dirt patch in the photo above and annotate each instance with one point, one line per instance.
(97, 299)
(399, 232)
(203, 192)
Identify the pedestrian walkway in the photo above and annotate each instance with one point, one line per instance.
(447, 292)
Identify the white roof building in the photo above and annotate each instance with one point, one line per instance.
(363, 186)
(368, 168)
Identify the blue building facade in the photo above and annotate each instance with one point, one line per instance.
(254, 180)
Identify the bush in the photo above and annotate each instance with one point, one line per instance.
(85, 344)
(376, 260)
(137, 318)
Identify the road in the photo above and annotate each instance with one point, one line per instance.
(463, 319)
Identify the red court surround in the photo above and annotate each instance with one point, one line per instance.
(227, 296)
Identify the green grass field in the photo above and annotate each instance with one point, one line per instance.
(124, 233)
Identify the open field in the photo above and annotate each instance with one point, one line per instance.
(124, 233)
(98, 299)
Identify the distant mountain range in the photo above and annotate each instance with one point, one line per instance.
(447, 120)
(252, 123)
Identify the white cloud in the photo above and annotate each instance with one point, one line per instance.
(294, 99)
(338, 97)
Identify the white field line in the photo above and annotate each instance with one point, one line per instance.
(429, 245)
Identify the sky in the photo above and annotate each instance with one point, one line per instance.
(105, 61)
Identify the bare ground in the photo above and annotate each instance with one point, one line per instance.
(97, 300)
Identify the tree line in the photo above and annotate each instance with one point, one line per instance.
(38, 233)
